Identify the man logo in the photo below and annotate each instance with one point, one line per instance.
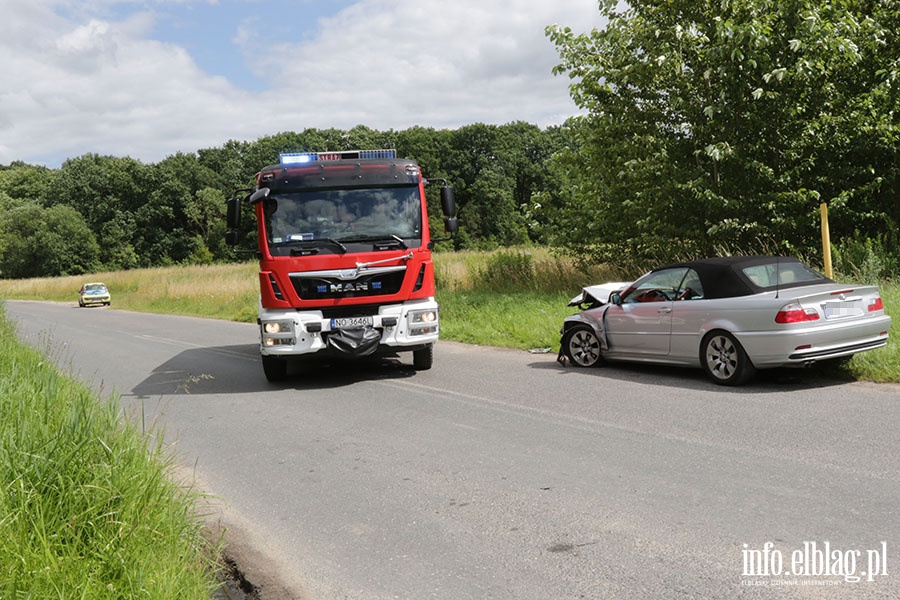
(348, 287)
(343, 288)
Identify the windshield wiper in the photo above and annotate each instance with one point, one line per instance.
(317, 242)
(392, 240)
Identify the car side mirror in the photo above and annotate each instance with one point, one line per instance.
(615, 298)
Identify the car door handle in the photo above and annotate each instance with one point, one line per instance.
(666, 309)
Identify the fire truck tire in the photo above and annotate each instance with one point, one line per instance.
(423, 359)
(274, 368)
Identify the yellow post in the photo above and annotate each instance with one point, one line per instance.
(826, 240)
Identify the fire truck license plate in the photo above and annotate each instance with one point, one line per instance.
(352, 322)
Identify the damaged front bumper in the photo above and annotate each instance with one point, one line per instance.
(395, 327)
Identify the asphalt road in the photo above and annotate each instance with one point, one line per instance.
(501, 474)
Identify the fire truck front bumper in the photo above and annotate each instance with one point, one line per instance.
(396, 328)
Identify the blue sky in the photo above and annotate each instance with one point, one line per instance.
(149, 78)
(206, 30)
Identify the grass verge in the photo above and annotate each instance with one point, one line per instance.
(88, 507)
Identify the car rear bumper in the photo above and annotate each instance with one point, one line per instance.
(799, 346)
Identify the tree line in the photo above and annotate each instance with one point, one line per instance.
(708, 127)
(108, 213)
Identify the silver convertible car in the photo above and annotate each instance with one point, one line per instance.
(728, 315)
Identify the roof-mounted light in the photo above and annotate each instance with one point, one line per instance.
(387, 154)
(300, 158)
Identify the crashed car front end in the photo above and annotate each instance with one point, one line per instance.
(583, 341)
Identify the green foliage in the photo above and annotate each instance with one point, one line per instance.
(25, 182)
(506, 271)
(710, 128)
(714, 123)
(39, 241)
(171, 212)
(867, 260)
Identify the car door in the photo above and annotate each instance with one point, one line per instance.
(641, 325)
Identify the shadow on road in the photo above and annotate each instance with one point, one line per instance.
(765, 381)
(238, 370)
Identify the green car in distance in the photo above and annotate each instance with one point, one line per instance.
(93, 293)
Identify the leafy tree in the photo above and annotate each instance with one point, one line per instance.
(427, 146)
(41, 242)
(227, 164)
(26, 182)
(484, 187)
(107, 191)
(172, 211)
(175, 212)
(721, 125)
(206, 212)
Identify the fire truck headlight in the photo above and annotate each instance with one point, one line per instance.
(422, 322)
(278, 327)
(277, 333)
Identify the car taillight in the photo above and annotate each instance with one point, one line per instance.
(876, 304)
(794, 313)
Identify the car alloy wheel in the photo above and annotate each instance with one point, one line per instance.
(582, 346)
(724, 360)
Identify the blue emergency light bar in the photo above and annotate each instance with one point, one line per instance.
(300, 158)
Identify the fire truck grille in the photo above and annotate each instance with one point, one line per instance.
(372, 284)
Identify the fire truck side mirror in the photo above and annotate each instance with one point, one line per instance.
(448, 203)
(233, 221)
(451, 225)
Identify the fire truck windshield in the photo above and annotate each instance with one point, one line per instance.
(326, 218)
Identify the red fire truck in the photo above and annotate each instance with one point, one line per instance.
(344, 256)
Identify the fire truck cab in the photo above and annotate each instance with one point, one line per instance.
(344, 251)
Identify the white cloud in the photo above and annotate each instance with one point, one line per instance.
(96, 84)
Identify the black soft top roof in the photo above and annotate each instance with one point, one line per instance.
(723, 277)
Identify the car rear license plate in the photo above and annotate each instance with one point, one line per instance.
(352, 322)
(837, 310)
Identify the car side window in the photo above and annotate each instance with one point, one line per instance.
(783, 273)
(691, 288)
(661, 286)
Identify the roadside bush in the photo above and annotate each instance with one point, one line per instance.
(867, 260)
(505, 271)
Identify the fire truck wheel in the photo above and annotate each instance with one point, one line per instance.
(423, 359)
(274, 368)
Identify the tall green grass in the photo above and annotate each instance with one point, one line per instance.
(88, 508)
(882, 365)
(514, 298)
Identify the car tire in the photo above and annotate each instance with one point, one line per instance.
(423, 359)
(275, 368)
(724, 359)
(582, 346)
